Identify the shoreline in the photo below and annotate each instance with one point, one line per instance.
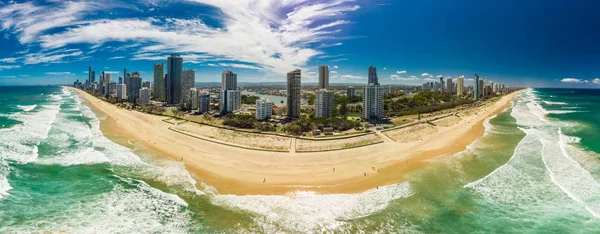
(238, 171)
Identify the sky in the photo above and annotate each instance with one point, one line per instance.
(532, 43)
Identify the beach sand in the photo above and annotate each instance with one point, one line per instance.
(232, 170)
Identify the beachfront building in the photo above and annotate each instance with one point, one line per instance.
(476, 88)
(173, 82)
(230, 100)
(192, 99)
(112, 88)
(121, 91)
(481, 88)
(133, 83)
(159, 81)
(460, 85)
(373, 97)
(293, 94)
(188, 81)
(323, 77)
(324, 104)
(107, 80)
(264, 109)
(203, 103)
(144, 98)
(350, 91)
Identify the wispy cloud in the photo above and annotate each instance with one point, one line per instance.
(117, 57)
(425, 74)
(9, 60)
(596, 81)
(352, 77)
(401, 72)
(275, 35)
(6, 67)
(59, 73)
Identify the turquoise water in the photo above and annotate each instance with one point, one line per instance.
(536, 170)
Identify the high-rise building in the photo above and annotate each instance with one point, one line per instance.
(441, 85)
(481, 87)
(159, 81)
(460, 85)
(93, 77)
(101, 84)
(350, 91)
(133, 82)
(146, 84)
(188, 81)
(373, 79)
(174, 82)
(324, 104)
(323, 77)
(229, 103)
(204, 103)
(120, 80)
(293, 93)
(264, 109)
(476, 88)
(193, 100)
(228, 80)
(144, 98)
(121, 91)
(449, 86)
(372, 102)
(112, 88)
(90, 75)
(373, 97)
(107, 80)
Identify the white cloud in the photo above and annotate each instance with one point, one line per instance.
(352, 77)
(571, 80)
(9, 60)
(462, 76)
(384, 68)
(56, 56)
(439, 76)
(335, 67)
(274, 35)
(117, 57)
(10, 77)
(425, 74)
(596, 81)
(429, 79)
(401, 72)
(397, 77)
(6, 67)
(330, 45)
(59, 73)
(333, 72)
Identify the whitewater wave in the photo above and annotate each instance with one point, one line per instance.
(27, 108)
(555, 103)
(541, 169)
(307, 212)
(558, 112)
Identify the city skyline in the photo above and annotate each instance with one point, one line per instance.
(346, 35)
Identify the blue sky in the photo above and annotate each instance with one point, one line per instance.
(521, 43)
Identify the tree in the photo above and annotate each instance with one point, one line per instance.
(176, 112)
(249, 99)
(344, 109)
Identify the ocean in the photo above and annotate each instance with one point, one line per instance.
(535, 170)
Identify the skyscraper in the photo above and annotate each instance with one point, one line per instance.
(476, 88)
(293, 93)
(324, 104)
(133, 82)
(193, 99)
(188, 81)
(373, 102)
(449, 86)
(441, 88)
(159, 81)
(93, 77)
(174, 84)
(107, 81)
(373, 79)
(460, 84)
(120, 80)
(373, 97)
(204, 105)
(229, 101)
(323, 77)
(481, 87)
(121, 91)
(90, 75)
(146, 84)
(228, 80)
(144, 96)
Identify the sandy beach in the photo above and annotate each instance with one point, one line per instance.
(232, 170)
